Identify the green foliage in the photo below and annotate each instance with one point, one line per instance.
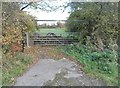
(104, 63)
(14, 67)
(99, 22)
(6, 49)
(15, 24)
(28, 21)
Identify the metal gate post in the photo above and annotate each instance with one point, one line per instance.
(27, 39)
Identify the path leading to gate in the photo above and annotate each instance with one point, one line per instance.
(62, 72)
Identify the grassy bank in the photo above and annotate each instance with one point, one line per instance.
(102, 65)
(14, 67)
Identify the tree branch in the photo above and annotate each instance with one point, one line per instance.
(26, 6)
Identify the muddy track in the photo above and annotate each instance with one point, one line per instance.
(62, 72)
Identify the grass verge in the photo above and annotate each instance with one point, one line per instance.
(14, 67)
(102, 65)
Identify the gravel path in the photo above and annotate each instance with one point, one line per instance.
(50, 72)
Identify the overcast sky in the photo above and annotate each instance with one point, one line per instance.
(54, 15)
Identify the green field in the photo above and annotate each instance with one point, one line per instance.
(57, 31)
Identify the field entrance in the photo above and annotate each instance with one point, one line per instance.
(53, 36)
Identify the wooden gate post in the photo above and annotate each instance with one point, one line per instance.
(27, 39)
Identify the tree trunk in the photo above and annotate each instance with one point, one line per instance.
(99, 42)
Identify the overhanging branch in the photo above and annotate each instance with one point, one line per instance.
(26, 6)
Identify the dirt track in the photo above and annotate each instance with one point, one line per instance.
(49, 72)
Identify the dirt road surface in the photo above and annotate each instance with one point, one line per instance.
(62, 72)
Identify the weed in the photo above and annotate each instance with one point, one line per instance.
(102, 64)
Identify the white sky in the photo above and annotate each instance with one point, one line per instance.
(54, 15)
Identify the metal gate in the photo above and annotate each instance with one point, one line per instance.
(51, 39)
